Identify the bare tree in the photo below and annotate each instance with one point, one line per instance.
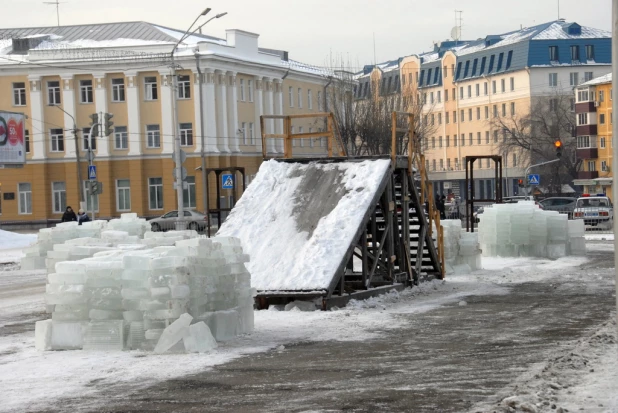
(532, 134)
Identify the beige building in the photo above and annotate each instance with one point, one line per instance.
(124, 69)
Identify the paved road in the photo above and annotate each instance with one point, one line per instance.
(444, 360)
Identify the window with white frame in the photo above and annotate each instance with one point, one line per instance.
(311, 139)
(302, 141)
(300, 98)
(85, 91)
(53, 92)
(319, 101)
(150, 88)
(573, 78)
(19, 94)
(251, 134)
(153, 136)
(291, 96)
(123, 195)
(241, 90)
(188, 194)
(604, 166)
(155, 193)
(184, 87)
(250, 90)
(121, 137)
(582, 95)
(92, 201)
(57, 140)
(118, 92)
(292, 131)
(59, 197)
(309, 99)
(186, 134)
(602, 142)
(601, 96)
(245, 138)
(592, 166)
(582, 118)
(553, 79)
(24, 191)
(87, 140)
(584, 142)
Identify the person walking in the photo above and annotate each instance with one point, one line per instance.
(69, 215)
(82, 217)
(440, 206)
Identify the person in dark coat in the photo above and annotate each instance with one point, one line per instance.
(82, 217)
(440, 206)
(69, 215)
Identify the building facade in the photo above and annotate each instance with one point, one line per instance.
(60, 76)
(593, 108)
(474, 92)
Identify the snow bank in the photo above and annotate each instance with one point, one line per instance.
(297, 220)
(11, 240)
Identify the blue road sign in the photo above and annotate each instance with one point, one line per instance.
(534, 179)
(92, 173)
(227, 181)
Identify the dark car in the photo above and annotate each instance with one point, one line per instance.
(193, 220)
(564, 205)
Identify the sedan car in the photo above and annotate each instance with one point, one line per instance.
(564, 205)
(596, 211)
(193, 220)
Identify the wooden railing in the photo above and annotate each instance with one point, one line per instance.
(334, 143)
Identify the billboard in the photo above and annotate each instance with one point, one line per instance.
(12, 145)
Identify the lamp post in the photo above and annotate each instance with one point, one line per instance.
(79, 169)
(180, 224)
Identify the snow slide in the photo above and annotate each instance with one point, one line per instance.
(298, 220)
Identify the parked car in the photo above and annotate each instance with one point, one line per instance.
(564, 205)
(193, 220)
(597, 211)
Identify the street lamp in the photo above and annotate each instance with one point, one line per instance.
(79, 169)
(180, 224)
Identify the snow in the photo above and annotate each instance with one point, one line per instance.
(598, 80)
(11, 244)
(599, 237)
(278, 219)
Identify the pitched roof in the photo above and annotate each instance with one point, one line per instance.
(598, 80)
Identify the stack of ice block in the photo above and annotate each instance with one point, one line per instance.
(577, 242)
(452, 231)
(169, 238)
(36, 254)
(469, 250)
(131, 224)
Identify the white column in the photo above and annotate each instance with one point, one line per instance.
(232, 112)
(210, 111)
(37, 98)
(100, 99)
(168, 128)
(134, 127)
(278, 102)
(269, 110)
(259, 111)
(68, 103)
(197, 126)
(221, 96)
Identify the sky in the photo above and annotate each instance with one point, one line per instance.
(324, 32)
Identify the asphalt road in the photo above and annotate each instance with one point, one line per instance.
(445, 360)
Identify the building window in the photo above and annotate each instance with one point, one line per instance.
(495, 111)
(503, 85)
(433, 142)
(291, 96)
(118, 90)
(24, 191)
(250, 89)
(512, 108)
(150, 87)
(251, 135)
(603, 142)
(493, 87)
(575, 53)
(574, 78)
(186, 134)
(87, 140)
(470, 115)
(582, 95)
(241, 90)
(478, 113)
(433, 118)
(592, 166)
(300, 98)
(320, 100)
(433, 164)
(243, 130)
(155, 193)
(461, 93)
(486, 112)
(19, 94)
(601, 96)
(487, 137)
(478, 138)
(589, 52)
(485, 89)
(582, 119)
(59, 197)
(495, 136)
(309, 100)
(53, 92)
(440, 142)
(462, 115)
(491, 63)
(587, 76)
(553, 79)
(153, 135)
(604, 166)
(121, 137)
(446, 95)
(188, 194)
(454, 116)
(504, 109)
(553, 53)
(123, 195)
(184, 87)
(462, 142)
(439, 96)
(85, 91)
(478, 89)
(514, 160)
(92, 201)
(57, 140)
(446, 117)
(455, 137)
(469, 91)
(470, 139)
(439, 118)
(483, 60)
(602, 119)
(584, 142)
(448, 141)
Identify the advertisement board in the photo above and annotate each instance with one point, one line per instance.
(12, 144)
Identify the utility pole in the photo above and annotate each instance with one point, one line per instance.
(75, 131)
(615, 133)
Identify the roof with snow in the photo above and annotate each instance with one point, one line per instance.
(598, 80)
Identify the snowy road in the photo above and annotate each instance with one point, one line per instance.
(535, 332)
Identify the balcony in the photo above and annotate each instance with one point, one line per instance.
(586, 130)
(587, 175)
(585, 107)
(587, 153)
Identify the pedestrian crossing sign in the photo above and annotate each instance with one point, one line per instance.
(534, 179)
(227, 181)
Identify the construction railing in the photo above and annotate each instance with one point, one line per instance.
(334, 144)
(417, 160)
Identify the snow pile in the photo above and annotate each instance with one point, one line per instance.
(10, 240)
(147, 299)
(462, 252)
(522, 229)
(128, 230)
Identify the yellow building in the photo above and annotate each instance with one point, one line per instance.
(593, 108)
(59, 76)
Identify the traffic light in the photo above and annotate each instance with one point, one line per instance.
(94, 125)
(558, 145)
(521, 183)
(108, 124)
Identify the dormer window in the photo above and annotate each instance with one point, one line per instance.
(553, 53)
(575, 53)
(589, 52)
(574, 29)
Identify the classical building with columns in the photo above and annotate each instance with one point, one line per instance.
(59, 76)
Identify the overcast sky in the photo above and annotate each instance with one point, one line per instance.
(313, 31)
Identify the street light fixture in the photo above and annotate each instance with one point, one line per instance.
(180, 224)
